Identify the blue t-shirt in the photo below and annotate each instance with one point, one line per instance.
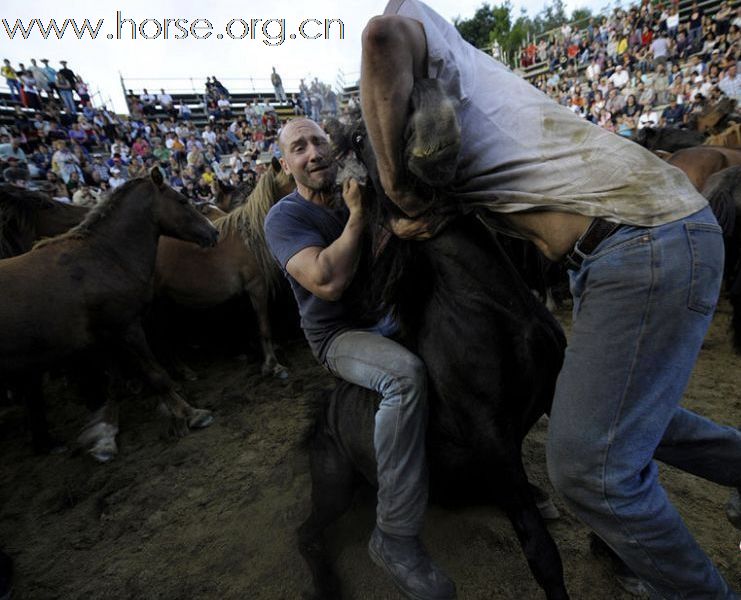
(293, 224)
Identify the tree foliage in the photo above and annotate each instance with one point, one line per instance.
(494, 25)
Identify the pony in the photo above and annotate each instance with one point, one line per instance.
(240, 263)
(730, 136)
(25, 216)
(700, 162)
(87, 289)
(210, 211)
(493, 354)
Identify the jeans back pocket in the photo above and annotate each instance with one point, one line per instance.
(706, 248)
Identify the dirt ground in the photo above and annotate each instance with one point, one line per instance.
(214, 515)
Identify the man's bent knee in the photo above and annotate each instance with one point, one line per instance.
(409, 380)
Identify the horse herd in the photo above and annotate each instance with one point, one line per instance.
(86, 291)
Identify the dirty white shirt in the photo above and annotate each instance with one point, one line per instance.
(522, 151)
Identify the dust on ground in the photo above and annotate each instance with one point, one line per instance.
(214, 514)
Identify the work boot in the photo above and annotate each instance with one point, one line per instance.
(733, 509)
(410, 567)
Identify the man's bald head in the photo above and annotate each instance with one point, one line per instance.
(290, 127)
(306, 154)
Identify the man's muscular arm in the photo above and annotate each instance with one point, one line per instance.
(326, 272)
(394, 54)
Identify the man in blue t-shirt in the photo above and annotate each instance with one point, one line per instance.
(317, 244)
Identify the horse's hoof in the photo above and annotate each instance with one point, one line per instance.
(548, 509)
(733, 509)
(276, 371)
(104, 452)
(200, 418)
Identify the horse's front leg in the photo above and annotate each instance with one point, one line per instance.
(31, 389)
(520, 505)
(258, 294)
(183, 415)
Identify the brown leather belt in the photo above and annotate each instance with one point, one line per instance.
(598, 230)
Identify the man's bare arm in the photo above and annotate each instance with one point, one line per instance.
(394, 54)
(326, 272)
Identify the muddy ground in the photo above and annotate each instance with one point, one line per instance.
(214, 515)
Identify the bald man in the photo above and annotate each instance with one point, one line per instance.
(317, 241)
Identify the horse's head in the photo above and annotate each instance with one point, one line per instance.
(433, 135)
(177, 217)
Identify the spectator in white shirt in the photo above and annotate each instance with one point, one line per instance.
(620, 77)
(209, 136)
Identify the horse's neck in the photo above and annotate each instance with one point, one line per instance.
(128, 235)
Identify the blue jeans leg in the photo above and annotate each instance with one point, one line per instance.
(642, 304)
(69, 101)
(15, 89)
(378, 363)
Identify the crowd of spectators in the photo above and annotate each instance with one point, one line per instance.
(641, 66)
(77, 152)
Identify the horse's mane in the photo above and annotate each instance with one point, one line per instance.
(248, 221)
(101, 211)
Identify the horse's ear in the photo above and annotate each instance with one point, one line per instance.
(156, 175)
(275, 163)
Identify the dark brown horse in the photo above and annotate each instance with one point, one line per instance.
(88, 289)
(26, 216)
(239, 264)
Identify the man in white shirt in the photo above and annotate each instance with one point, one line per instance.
(165, 101)
(209, 136)
(730, 85)
(620, 77)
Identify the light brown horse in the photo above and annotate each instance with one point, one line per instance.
(700, 162)
(729, 137)
(210, 211)
(88, 289)
(240, 263)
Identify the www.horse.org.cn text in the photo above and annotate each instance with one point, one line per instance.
(271, 32)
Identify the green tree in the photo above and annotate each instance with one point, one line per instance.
(494, 25)
(476, 29)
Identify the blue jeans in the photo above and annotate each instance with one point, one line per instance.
(69, 102)
(15, 89)
(643, 301)
(378, 363)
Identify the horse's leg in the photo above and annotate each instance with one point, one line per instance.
(537, 544)
(99, 434)
(32, 391)
(183, 415)
(164, 341)
(258, 295)
(332, 476)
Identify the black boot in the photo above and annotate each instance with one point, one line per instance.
(410, 567)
